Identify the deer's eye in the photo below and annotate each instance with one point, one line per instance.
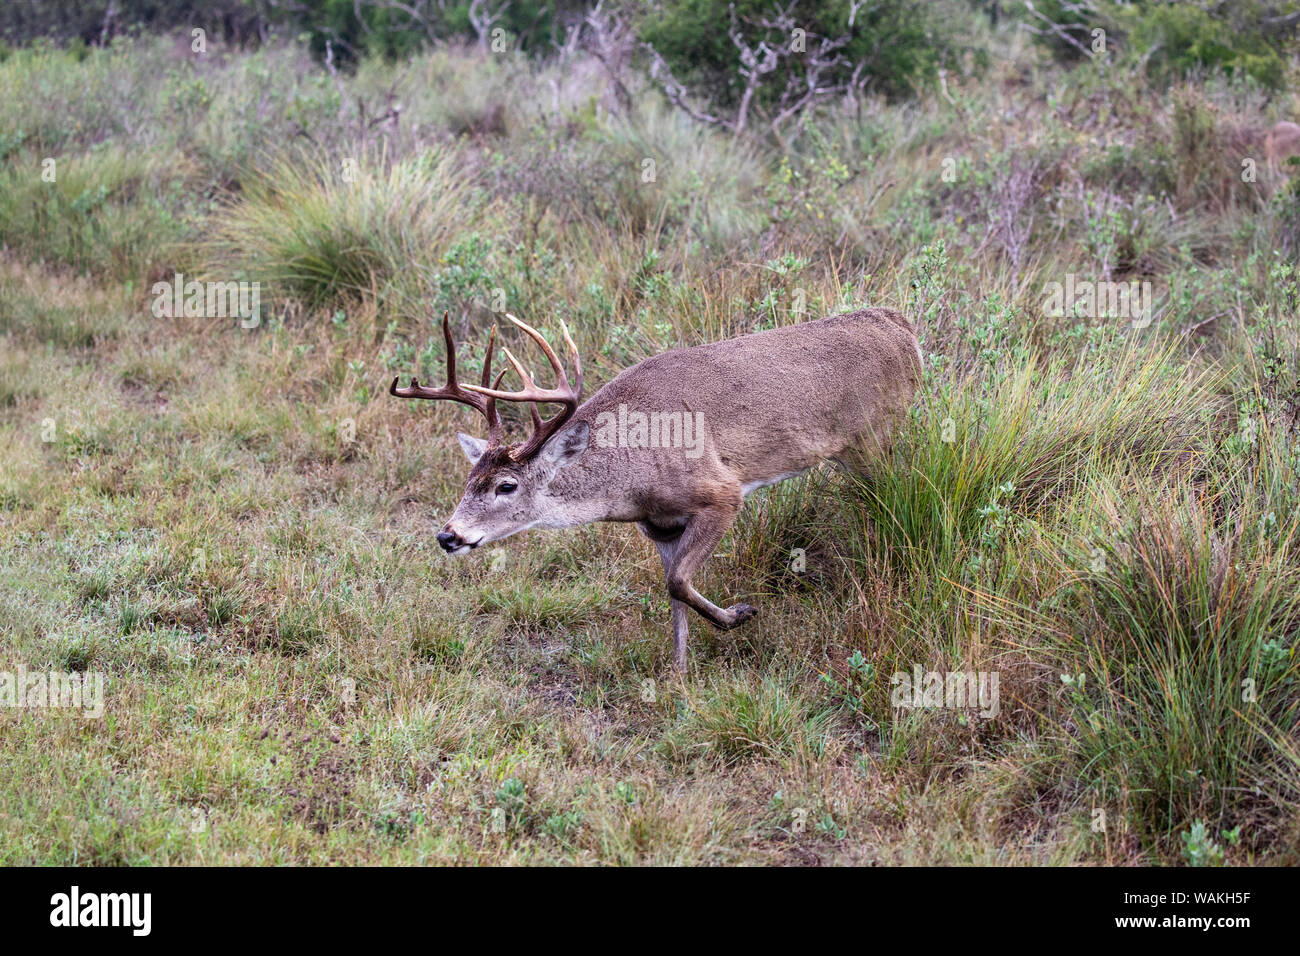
(506, 487)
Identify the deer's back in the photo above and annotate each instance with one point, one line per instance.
(779, 400)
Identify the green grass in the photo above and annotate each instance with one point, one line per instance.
(326, 230)
(1186, 625)
(109, 210)
(236, 525)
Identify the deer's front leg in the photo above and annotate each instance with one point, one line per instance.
(702, 535)
(667, 552)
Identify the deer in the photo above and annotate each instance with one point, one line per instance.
(676, 442)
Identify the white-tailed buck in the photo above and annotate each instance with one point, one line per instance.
(677, 441)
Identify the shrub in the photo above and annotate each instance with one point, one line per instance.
(1169, 39)
(891, 47)
(1182, 36)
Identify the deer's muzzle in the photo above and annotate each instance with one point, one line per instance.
(452, 542)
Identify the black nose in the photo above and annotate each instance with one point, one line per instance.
(449, 540)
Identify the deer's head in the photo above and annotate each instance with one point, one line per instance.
(508, 489)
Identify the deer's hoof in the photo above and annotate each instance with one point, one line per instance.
(740, 613)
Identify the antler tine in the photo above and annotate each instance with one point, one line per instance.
(451, 351)
(453, 391)
(487, 359)
(577, 357)
(529, 383)
(519, 367)
(563, 394)
(543, 344)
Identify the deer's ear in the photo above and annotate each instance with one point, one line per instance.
(471, 446)
(566, 447)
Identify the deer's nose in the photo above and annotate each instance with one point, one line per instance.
(449, 540)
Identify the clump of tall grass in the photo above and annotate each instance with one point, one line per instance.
(326, 229)
(1175, 634)
(671, 170)
(647, 174)
(994, 458)
(455, 89)
(1026, 439)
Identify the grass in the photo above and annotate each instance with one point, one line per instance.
(109, 209)
(324, 231)
(1183, 628)
(235, 524)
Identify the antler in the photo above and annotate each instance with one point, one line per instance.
(453, 390)
(563, 394)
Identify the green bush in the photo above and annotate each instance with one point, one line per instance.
(1181, 37)
(1170, 38)
(894, 45)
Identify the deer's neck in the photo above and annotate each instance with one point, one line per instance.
(589, 491)
(568, 512)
